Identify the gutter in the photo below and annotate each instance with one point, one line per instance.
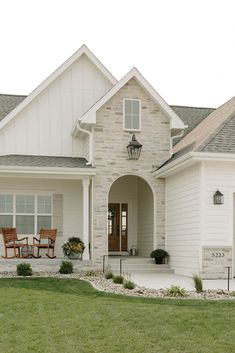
(193, 157)
(173, 165)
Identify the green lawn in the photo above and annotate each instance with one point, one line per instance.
(48, 315)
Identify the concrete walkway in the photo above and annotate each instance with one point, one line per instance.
(160, 280)
(146, 279)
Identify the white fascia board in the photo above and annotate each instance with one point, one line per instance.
(210, 156)
(76, 173)
(173, 166)
(90, 115)
(82, 50)
(190, 158)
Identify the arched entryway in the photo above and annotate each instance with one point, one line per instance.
(130, 216)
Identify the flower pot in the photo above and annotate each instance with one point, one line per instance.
(158, 260)
(75, 256)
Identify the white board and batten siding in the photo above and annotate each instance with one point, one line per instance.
(44, 126)
(183, 224)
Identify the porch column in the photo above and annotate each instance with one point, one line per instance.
(85, 185)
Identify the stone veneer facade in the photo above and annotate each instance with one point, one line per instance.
(110, 159)
(215, 262)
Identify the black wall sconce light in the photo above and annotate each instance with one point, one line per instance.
(218, 198)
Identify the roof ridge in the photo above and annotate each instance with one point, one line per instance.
(189, 106)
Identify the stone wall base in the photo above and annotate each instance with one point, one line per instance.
(215, 262)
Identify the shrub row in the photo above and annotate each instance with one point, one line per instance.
(120, 280)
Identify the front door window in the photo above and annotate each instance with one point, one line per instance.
(117, 226)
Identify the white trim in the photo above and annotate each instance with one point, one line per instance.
(62, 173)
(90, 115)
(85, 216)
(193, 157)
(202, 211)
(82, 50)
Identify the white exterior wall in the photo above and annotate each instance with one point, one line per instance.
(44, 126)
(183, 223)
(218, 219)
(72, 202)
(219, 231)
(145, 219)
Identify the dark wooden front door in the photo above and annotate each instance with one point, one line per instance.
(117, 226)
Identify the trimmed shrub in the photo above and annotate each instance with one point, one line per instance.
(118, 279)
(129, 285)
(66, 267)
(176, 291)
(24, 269)
(198, 283)
(109, 275)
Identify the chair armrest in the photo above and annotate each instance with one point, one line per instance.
(34, 238)
(25, 238)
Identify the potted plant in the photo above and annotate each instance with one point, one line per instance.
(73, 248)
(159, 255)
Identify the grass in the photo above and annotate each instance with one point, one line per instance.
(50, 315)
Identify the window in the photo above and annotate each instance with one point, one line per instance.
(28, 213)
(132, 114)
(25, 209)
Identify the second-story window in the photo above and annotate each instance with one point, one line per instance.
(131, 114)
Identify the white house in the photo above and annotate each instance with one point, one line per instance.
(64, 164)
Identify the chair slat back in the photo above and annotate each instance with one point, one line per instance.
(9, 235)
(48, 233)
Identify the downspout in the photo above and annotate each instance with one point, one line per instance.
(177, 136)
(90, 142)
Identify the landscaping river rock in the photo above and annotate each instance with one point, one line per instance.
(99, 282)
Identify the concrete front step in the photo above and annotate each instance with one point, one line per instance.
(137, 265)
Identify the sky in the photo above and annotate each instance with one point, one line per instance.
(184, 48)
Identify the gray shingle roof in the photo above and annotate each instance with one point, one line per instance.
(8, 102)
(223, 139)
(43, 161)
(191, 116)
(219, 140)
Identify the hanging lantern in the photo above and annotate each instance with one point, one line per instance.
(134, 148)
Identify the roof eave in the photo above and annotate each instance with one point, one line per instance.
(55, 172)
(191, 158)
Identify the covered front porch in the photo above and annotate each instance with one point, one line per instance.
(58, 197)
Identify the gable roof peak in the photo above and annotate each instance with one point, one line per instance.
(90, 116)
(82, 50)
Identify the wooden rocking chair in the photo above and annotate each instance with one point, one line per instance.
(46, 241)
(11, 241)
